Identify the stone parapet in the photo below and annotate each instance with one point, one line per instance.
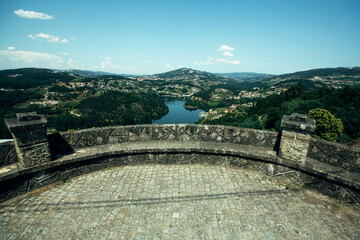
(343, 185)
(335, 154)
(301, 159)
(298, 123)
(30, 137)
(169, 132)
(7, 154)
(295, 138)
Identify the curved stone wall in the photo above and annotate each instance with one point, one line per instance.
(7, 154)
(335, 154)
(78, 152)
(166, 132)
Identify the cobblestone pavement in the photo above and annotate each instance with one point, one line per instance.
(175, 202)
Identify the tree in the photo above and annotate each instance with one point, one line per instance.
(328, 127)
(272, 115)
(251, 122)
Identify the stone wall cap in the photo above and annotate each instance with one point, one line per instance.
(25, 121)
(30, 116)
(298, 117)
(298, 123)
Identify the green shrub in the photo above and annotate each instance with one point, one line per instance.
(328, 127)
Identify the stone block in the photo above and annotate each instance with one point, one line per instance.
(295, 138)
(39, 135)
(335, 154)
(30, 138)
(298, 123)
(25, 117)
(7, 154)
(294, 146)
(34, 155)
(20, 124)
(27, 129)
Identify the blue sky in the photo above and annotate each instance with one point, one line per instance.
(152, 36)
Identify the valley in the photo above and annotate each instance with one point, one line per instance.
(69, 98)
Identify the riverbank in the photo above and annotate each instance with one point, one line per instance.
(190, 107)
(178, 113)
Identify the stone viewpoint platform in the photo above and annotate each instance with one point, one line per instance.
(177, 181)
(176, 202)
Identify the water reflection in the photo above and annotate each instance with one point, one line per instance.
(178, 114)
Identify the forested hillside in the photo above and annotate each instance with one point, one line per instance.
(7, 101)
(31, 78)
(268, 112)
(111, 108)
(323, 72)
(72, 101)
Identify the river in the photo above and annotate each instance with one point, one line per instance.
(178, 114)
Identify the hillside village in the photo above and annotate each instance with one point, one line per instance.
(59, 92)
(183, 83)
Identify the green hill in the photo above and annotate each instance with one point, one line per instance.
(24, 78)
(187, 74)
(111, 108)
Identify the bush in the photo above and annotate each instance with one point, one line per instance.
(272, 115)
(327, 126)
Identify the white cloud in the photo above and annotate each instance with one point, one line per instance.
(269, 59)
(228, 54)
(94, 67)
(209, 61)
(225, 48)
(47, 37)
(33, 15)
(199, 63)
(107, 64)
(168, 66)
(11, 48)
(20, 59)
(63, 53)
(234, 62)
(71, 63)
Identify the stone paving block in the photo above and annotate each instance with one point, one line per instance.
(176, 202)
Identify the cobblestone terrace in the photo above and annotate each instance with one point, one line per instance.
(176, 202)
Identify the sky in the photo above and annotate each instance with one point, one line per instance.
(153, 36)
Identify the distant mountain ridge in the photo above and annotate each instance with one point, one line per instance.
(32, 77)
(186, 73)
(243, 75)
(320, 72)
(86, 73)
(320, 77)
(23, 78)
